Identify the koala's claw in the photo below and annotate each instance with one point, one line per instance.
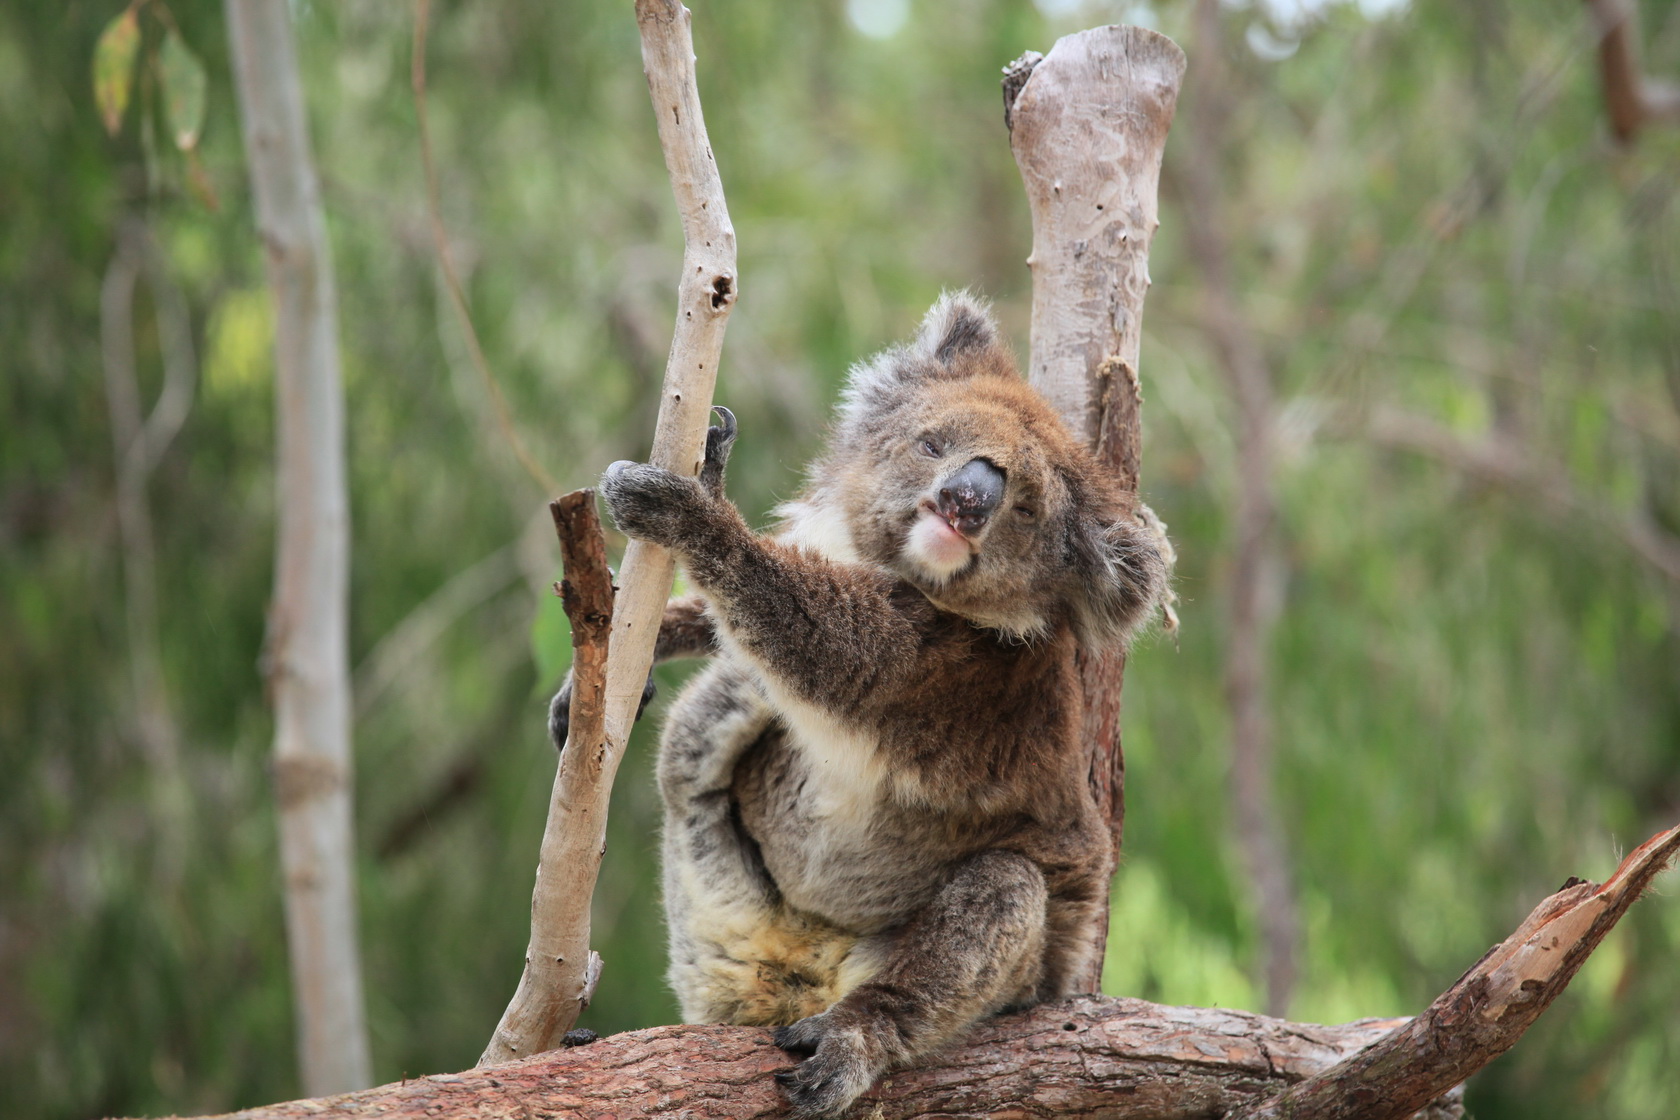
(836, 1073)
(560, 709)
(720, 437)
(799, 1038)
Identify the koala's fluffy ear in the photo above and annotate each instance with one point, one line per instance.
(959, 325)
(1122, 568)
(957, 339)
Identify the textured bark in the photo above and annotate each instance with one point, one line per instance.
(560, 971)
(307, 659)
(1088, 124)
(1120, 1059)
(1255, 569)
(1116, 1059)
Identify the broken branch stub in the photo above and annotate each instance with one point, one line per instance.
(560, 971)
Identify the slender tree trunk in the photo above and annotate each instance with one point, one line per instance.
(1088, 124)
(306, 659)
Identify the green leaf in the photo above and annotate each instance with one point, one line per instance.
(113, 67)
(184, 83)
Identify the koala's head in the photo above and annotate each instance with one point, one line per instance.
(948, 469)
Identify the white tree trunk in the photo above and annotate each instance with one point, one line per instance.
(307, 662)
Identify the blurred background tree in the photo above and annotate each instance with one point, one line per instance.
(1467, 295)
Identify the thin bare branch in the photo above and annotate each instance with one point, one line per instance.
(1631, 99)
(705, 296)
(1501, 460)
(307, 655)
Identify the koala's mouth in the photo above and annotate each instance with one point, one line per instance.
(937, 545)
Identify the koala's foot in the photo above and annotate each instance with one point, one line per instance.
(841, 1066)
(720, 437)
(560, 709)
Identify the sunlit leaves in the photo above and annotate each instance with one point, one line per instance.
(113, 67)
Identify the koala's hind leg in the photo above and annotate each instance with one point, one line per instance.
(975, 950)
(739, 953)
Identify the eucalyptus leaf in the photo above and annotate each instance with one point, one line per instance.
(113, 68)
(184, 86)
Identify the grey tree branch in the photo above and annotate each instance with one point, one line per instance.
(1504, 461)
(705, 296)
(1088, 124)
(1254, 572)
(307, 658)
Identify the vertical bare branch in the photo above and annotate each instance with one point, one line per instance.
(307, 657)
(1088, 125)
(1254, 566)
(705, 296)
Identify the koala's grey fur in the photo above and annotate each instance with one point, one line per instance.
(878, 827)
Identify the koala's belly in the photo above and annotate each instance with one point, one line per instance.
(832, 842)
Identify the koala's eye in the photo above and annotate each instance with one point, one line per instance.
(932, 448)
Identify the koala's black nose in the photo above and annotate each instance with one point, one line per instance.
(967, 498)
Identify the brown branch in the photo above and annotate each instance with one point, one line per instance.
(1631, 99)
(560, 970)
(1242, 360)
(1485, 1012)
(1088, 125)
(1120, 1059)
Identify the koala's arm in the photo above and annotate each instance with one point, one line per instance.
(832, 634)
(684, 631)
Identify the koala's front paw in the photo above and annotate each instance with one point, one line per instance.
(652, 504)
(839, 1070)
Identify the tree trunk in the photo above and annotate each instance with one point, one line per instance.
(1088, 124)
(306, 659)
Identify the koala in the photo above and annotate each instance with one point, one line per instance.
(878, 824)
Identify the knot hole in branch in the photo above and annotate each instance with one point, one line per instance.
(723, 292)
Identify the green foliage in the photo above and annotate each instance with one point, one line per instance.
(1474, 684)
